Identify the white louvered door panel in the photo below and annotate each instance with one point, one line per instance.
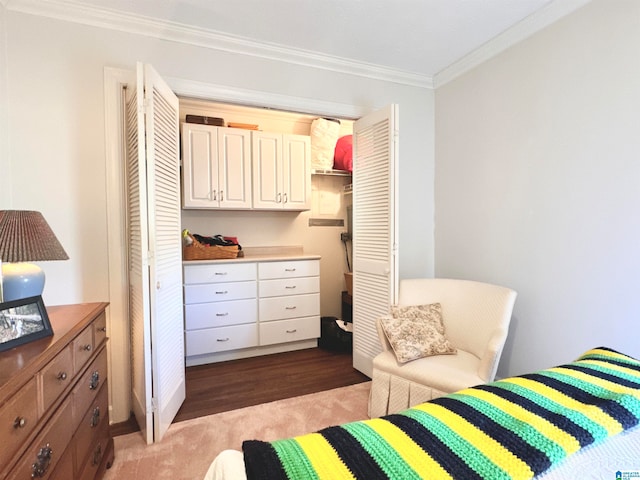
(138, 265)
(163, 180)
(158, 376)
(375, 261)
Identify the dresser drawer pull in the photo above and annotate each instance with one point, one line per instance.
(291, 287)
(62, 376)
(95, 381)
(19, 422)
(292, 331)
(220, 273)
(222, 314)
(97, 456)
(290, 308)
(223, 292)
(289, 269)
(43, 459)
(102, 329)
(95, 417)
(222, 339)
(86, 348)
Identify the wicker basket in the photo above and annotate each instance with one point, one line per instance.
(198, 251)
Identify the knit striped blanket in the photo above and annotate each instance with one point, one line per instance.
(514, 428)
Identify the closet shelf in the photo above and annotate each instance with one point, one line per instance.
(335, 173)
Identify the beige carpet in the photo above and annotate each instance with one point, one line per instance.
(189, 447)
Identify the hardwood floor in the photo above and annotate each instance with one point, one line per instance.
(224, 386)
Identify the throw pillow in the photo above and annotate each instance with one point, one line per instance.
(416, 332)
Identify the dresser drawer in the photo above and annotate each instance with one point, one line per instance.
(96, 455)
(288, 269)
(82, 348)
(56, 376)
(289, 286)
(282, 331)
(221, 339)
(279, 308)
(94, 418)
(64, 468)
(219, 292)
(216, 273)
(48, 448)
(220, 314)
(99, 330)
(17, 420)
(87, 387)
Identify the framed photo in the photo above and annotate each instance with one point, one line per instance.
(23, 321)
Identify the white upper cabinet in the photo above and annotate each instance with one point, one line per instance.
(216, 167)
(281, 171)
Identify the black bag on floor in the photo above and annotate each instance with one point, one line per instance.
(332, 337)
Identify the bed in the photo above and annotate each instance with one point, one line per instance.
(577, 420)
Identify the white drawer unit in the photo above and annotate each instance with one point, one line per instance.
(221, 339)
(289, 330)
(278, 308)
(233, 310)
(218, 273)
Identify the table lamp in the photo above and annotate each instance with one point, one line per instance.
(25, 236)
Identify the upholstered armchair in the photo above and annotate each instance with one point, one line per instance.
(475, 317)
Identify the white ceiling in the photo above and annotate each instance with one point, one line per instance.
(416, 36)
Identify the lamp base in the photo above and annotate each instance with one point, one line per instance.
(21, 280)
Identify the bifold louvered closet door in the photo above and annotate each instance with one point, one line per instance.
(155, 258)
(375, 259)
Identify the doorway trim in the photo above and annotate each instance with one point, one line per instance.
(115, 79)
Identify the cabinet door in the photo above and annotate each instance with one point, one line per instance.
(234, 168)
(296, 170)
(267, 170)
(200, 166)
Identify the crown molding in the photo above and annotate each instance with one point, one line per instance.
(520, 31)
(77, 12)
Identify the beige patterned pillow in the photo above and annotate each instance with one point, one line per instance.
(416, 331)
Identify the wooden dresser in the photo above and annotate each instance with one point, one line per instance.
(54, 404)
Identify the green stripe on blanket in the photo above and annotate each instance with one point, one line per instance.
(514, 428)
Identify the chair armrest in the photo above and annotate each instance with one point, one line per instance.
(384, 341)
(489, 361)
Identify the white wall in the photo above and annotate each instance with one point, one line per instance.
(57, 150)
(537, 184)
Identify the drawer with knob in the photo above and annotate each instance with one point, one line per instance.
(83, 348)
(87, 387)
(94, 419)
(56, 377)
(18, 418)
(48, 448)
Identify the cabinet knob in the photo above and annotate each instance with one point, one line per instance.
(290, 308)
(279, 198)
(221, 195)
(223, 292)
(222, 314)
(290, 287)
(285, 198)
(102, 329)
(292, 331)
(62, 376)
(19, 422)
(87, 347)
(222, 339)
(289, 269)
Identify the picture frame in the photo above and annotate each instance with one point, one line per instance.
(23, 321)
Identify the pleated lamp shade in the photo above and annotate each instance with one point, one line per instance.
(25, 236)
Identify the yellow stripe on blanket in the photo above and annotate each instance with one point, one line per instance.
(610, 424)
(568, 443)
(489, 447)
(323, 457)
(594, 380)
(412, 454)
